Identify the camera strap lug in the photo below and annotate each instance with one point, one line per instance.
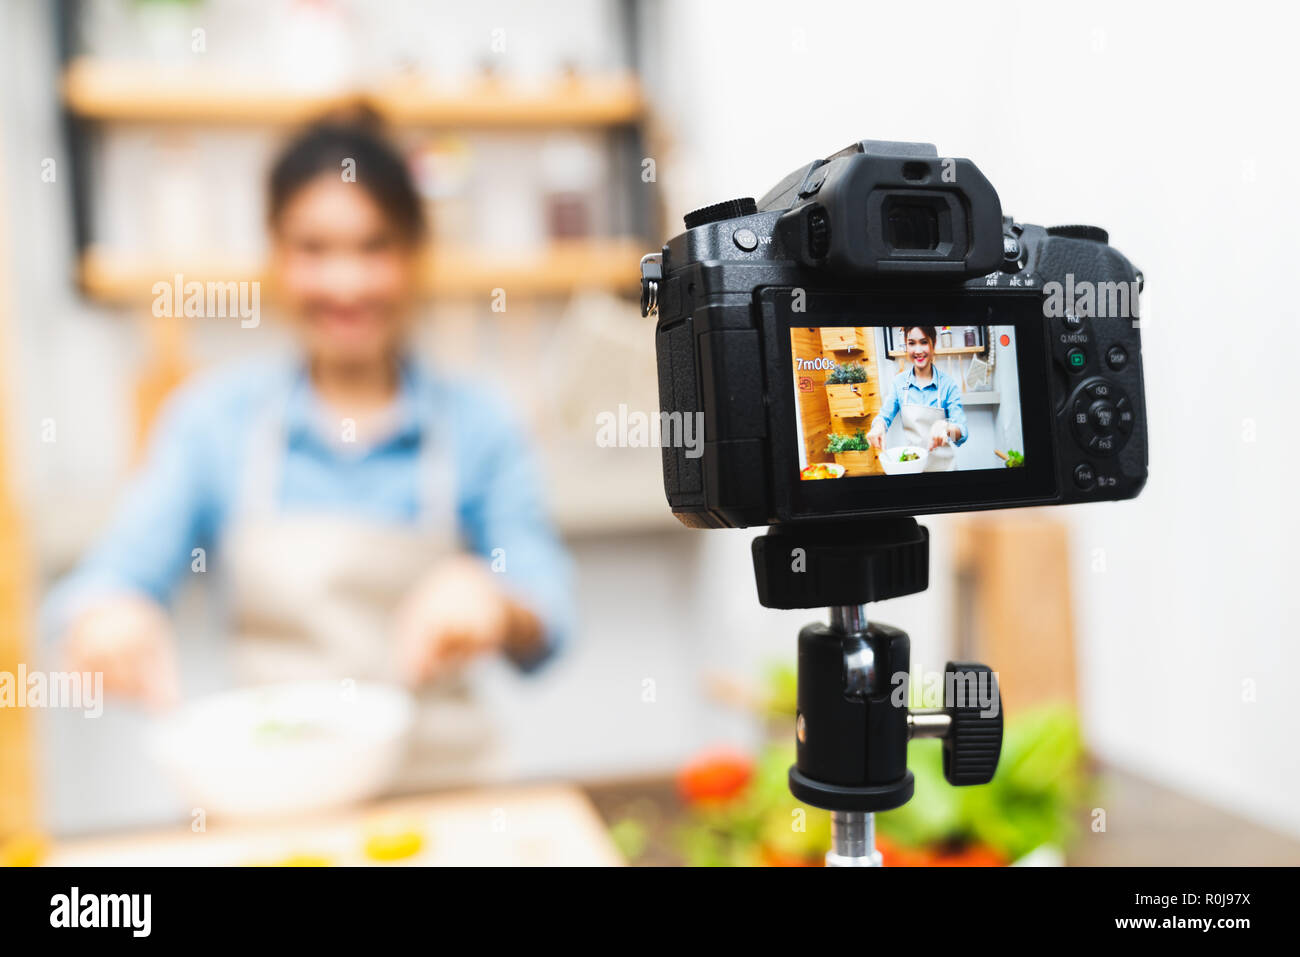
(652, 271)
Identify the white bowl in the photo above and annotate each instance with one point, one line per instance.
(285, 748)
(889, 460)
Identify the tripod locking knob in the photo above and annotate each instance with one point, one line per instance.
(973, 703)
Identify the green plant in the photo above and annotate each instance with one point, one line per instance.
(1034, 798)
(1015, 460)
(857, 442)
(847, 373)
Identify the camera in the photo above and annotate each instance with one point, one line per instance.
(873, 338)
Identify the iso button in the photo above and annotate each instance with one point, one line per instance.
(1100, 390)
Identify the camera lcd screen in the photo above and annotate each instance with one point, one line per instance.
(877, 402)
(1005, 399)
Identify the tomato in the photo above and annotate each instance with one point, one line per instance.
(714, 777)
(771, 857)
(975, 855)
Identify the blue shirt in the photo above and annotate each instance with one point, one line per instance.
(191, 484)
(941, 392)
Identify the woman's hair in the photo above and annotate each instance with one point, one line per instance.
(380, 169)
(927, 331)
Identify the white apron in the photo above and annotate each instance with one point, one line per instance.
(918, 420)
(313, 595)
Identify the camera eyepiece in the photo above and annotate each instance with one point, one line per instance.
(891, 208)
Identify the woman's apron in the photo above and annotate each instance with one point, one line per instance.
(313, 596)
(918, 420)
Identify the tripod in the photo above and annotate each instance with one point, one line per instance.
(853, 721)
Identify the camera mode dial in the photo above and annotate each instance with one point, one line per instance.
(1093, 234)
(727, 209)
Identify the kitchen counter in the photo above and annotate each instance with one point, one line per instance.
(1147, 824)
(528, 826)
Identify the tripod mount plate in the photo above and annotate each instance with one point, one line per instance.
(817, 565)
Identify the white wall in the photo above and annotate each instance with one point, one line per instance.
(1174, 127)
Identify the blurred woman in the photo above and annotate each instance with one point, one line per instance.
(371, 517)
(929, 402)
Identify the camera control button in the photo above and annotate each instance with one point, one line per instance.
(1012, 254)
(1103, 444)
(1079, 423)
(1072, 322)
(1076, 359)
(1084, 477)
(745, 239)
(1100, 390)
(1117, 357)
(1124, 417)
(1102, 415)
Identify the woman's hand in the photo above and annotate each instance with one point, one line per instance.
(457, 612)
(943, 432)
(128, 639)
(876, 437)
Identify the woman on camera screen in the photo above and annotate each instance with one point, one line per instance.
(928, 402)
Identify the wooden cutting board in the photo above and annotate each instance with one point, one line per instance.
(535, 826)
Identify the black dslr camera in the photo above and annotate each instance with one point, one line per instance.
(874, 338)
(870, 341)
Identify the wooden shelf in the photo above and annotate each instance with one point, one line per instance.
(555, 270)
(956, 351)
(136, 93)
